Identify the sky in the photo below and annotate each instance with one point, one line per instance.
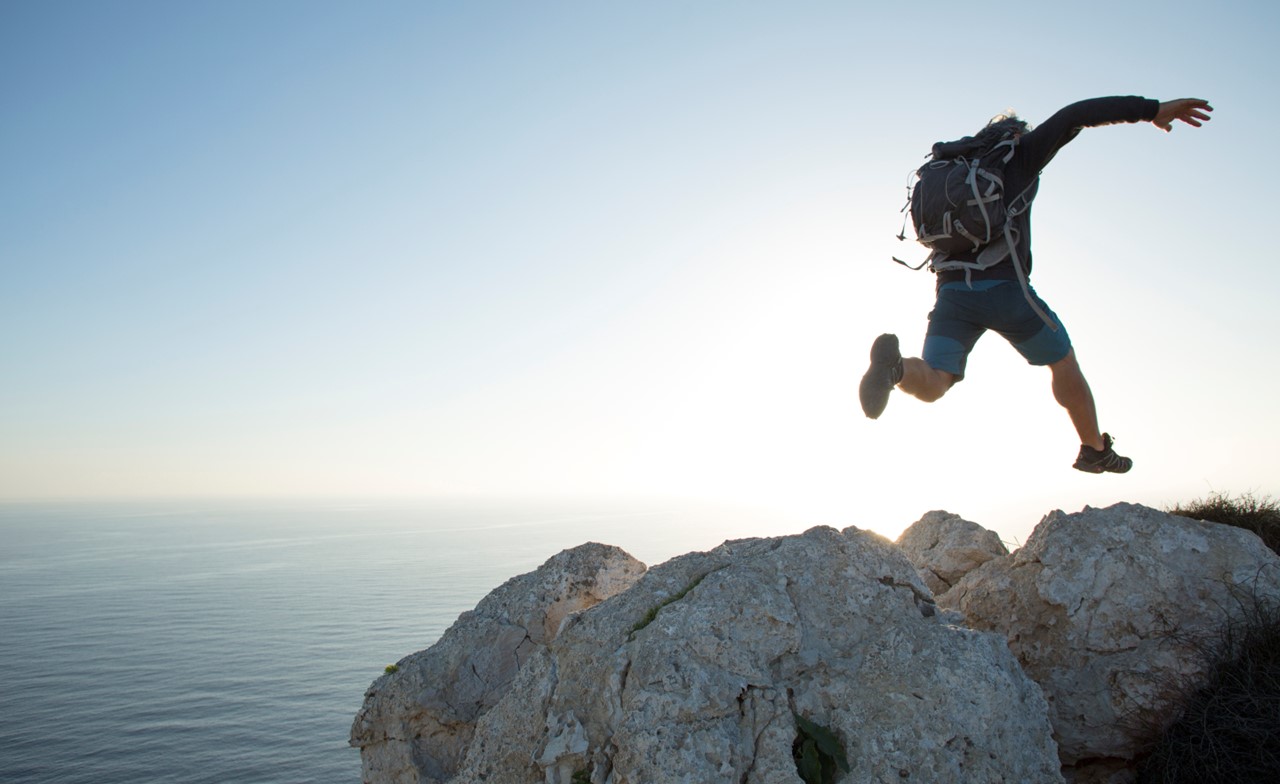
(572, 249)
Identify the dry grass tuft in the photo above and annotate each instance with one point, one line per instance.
(1260, 515)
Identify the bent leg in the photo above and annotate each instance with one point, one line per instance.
(955, 324)
(924, 382)
(1072, 392)
(1044, 345)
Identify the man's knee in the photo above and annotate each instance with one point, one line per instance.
(1066, 367)
(940, 382)
(926, 383)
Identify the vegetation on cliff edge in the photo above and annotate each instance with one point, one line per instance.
(1260, 515)
(1227, 730)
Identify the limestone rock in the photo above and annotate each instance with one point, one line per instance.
(417, 722)
(696, 673)
(1098, 607)
(945, 547)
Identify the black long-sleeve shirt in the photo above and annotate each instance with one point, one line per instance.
(1034, 151)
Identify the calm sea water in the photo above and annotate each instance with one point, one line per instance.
(232, 642)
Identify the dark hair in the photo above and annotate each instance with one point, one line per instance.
(999, 128)
(1004, 124)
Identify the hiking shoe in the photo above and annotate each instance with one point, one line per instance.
(1096, 461)
(883, 375)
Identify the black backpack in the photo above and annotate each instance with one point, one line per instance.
(958, 202)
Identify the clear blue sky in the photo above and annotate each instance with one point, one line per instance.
(567, 248)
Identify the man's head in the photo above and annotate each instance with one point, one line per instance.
(1000, 127)
(1003, 126)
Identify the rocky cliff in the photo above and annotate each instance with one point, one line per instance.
(939, 658)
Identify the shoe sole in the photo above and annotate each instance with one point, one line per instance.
(1094, 468)
(877, 382)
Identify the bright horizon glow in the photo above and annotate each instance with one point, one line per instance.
(406, 250)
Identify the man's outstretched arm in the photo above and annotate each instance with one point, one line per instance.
(1192, 111)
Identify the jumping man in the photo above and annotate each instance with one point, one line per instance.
(986, 286)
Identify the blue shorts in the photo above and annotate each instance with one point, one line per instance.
(961, 315)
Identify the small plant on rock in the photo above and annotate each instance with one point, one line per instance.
(392, 668)
(818, 753)
(650, 616)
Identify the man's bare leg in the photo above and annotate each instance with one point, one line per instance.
(923, 382)
(1072, 392)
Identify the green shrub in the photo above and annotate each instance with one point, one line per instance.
(392, 668)
(1260, 515)
(1228, 730)
(818, 753)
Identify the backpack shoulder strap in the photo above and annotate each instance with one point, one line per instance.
(1011, 143)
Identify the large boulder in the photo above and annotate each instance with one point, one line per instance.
(416, 722)
(698, 672)
(1103, 609)
(945, 547)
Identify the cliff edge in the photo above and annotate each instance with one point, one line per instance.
(939, 658)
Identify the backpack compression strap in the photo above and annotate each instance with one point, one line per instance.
(1022, 280)
(1018, 205)
(994, 192)
(980, 200)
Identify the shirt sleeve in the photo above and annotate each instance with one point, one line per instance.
(1037, 148)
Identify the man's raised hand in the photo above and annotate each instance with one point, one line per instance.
(1192, 111)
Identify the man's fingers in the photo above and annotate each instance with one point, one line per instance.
(1197, 108)
(1194, 117)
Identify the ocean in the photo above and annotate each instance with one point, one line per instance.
(232, 642)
